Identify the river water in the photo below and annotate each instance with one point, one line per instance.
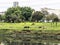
(27, 37)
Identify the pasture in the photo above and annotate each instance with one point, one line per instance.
(30, 26)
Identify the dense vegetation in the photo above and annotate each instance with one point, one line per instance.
(25, 26)
(23, 14)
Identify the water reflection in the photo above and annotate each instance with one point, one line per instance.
(27, 37)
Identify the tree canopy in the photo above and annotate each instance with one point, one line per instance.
(20, 14)
(37, 16)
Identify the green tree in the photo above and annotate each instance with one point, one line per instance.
(53, 17)
(26, 12)
(13, 14)
(17, 14)
(48, 18)
(37, 16)
(2, 18)
(56, 20)
(45, 12)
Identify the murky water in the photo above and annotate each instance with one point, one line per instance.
(27, 37)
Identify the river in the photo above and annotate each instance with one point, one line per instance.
(27, 37)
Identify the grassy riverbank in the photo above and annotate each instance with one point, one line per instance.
(30, 26)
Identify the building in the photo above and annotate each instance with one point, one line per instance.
(15, 4)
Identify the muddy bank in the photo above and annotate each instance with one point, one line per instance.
(29, 37)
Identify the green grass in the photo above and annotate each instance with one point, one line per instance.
(20, 26)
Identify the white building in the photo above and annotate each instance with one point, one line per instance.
(15, 4)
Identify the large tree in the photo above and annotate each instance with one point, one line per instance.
(37, 16)
(17, 14)
(13, 14)
(26, 12)
(52, 17)
(45, 12)
(56, 19)
(2, 18)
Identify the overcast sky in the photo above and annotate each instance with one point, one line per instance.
(35, 4)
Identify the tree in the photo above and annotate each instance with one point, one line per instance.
(2, 18)
(37, 16)
(45, 12)
(26, 12)
(56, 20)
(17, 14)
(13, 14)
(53, 17)
(48, 18)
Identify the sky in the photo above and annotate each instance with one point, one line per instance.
(35, 4)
